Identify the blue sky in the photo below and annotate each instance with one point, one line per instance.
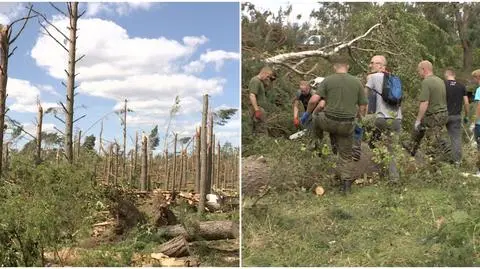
(145, 52)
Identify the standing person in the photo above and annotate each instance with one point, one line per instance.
(388, 118)
(258, 99)
(456, 97)
(432, 114)
(476, 130)
(343, 98)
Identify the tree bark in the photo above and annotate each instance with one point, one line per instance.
(125, 140)
(203, 158)
(174, 162)
(71, 81)
(176, 247)
(143, 178)
(206, 230)
(38, 155)
(197, 161)
(4, 50)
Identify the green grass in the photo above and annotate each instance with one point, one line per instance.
(377, 225)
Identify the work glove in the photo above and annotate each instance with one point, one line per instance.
(296, 122)
(305, 117)
(357, 132)
(258, 114)
(465, 120)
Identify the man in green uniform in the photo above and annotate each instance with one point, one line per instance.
(432, 115)
(343, 99)
(258, 99)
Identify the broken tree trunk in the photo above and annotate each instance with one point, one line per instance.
(181, 170)
(174, 162)
(176, 247)
(115, 177)
(38, 155)
(125, 140)
(206, 230)
(211, 145)
(197, 161)
(217, 167)
(143, 177)
(203, 158)
(4, 43)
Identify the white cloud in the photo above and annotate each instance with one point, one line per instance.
(121, 9)
(10, 12)
(22, 96)
(218, 57)
(32, 128)
(194, 41)
(194, 67)
(145, 71)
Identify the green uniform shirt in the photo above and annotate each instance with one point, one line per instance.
(433, 91)
(256, 87)
(342, 93)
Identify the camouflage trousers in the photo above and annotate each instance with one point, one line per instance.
(433, 129)
(476, 132)
(387, 131)
(341, 131)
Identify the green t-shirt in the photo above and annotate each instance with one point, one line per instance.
(342, 94)
(433, 91)
(256, 87)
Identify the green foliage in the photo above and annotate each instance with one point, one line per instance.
(222, 116)
(89, 143)
(153, 138)
(41, 208)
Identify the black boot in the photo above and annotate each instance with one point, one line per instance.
(346, 187)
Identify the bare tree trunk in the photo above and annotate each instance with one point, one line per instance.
(217, 167)
(211, 145)
(100, 148)
(181, 171)
(130, 176)
(174, 162)
(79, 143)
(73, 9)
(135, 156)
(143, 178)
(197, 161)
(125, 140)
(167, 174)
(185, 168)
(38, 155)
(110, 163)
(117, 149)
(150, 170)
(203, 158)
(7, 151)
(57, 159)
(4, 50)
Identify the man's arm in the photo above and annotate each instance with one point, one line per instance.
(295, 108)
(253, 100)
(320, 106)
(421, 111)
(466, 105)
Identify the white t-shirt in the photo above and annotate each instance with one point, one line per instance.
(383, 110)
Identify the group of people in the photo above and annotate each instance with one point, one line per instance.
(340, 104)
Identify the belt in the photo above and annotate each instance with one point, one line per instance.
(439, 112)
(339, 119)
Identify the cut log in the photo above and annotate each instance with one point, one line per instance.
(176, 262)
(176, 247)
(206, 230)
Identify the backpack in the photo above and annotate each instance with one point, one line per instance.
(392, 92)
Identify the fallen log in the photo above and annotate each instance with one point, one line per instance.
(165, 261)
(206, 230)
(176, 247)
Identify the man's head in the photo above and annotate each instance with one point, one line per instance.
(424, 69)
(340, 64)
(304, 87)
(449, 74)
(265, 73)
(476, 76)
(378, 63)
